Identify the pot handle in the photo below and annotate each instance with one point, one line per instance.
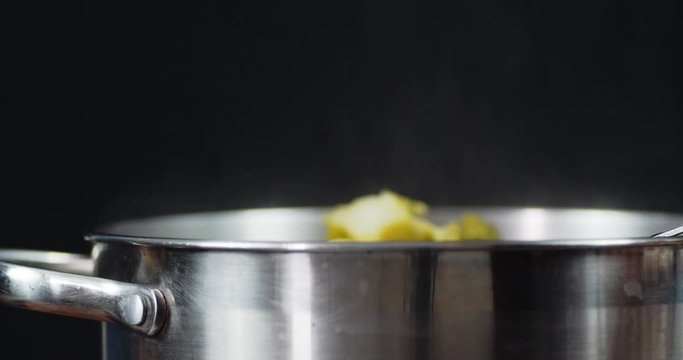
(74, 293)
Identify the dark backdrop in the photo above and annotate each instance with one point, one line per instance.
(114, 110)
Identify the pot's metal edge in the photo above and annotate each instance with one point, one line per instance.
(100, 235)
(334, 247)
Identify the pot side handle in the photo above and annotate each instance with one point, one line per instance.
(76, 294)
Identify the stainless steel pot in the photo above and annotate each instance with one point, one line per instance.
(262, 284)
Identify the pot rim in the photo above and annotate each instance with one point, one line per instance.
(385, 246)
(102, 235)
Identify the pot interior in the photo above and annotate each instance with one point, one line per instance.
(306, 224)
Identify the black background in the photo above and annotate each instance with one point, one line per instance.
(114, 110)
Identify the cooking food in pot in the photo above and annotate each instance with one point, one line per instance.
(388, 216)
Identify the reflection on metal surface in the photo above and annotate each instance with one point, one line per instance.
(669, 233)
(533, 224)
(463, 306)
(298, 300)
(49, 260)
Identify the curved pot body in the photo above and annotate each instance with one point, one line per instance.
(564, 289)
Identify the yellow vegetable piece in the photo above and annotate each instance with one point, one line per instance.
(385, 216)
(452, 231)
(388, 216)
(475, 228)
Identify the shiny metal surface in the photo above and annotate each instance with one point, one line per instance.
(139, 308)
(262, 284)
(50, 260)
(281, 227)
(673, 232)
